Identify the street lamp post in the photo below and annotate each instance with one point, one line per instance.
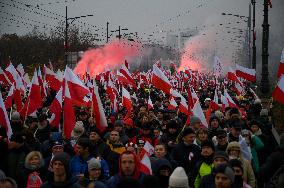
(254, 36)
(264, 86)
(66, 46)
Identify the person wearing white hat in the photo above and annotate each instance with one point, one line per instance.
(178, 179)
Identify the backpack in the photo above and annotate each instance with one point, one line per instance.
(34, 181)
(277, 180)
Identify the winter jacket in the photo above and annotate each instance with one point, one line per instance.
(100, 149)
(256, 145)
(202, 170)
(273, 162)
(80, 166)
(117, 148)
(71, 182)
(207, 181)
(186, 156)
(244, 147)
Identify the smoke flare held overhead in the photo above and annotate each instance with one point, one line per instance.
(107, 57)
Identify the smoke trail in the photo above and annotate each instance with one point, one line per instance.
(107, 57)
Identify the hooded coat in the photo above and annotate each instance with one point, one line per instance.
(114, 180)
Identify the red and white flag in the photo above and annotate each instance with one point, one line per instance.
(56, 108)
(173, 104)
(150, 104)
(4, 78)
(281, 65)
(224, 102)
(160, 81)
(246, 73)
(20, 70)
(123, 79)
(9, 98)
(34, 98)
(98, 110)
(52, 79)
(198, 112)
(124, 70)
(68, 113)
(229, 99)
(278, 93)
(11, 73)
(214, 102)
(126, 100)
(4, 119)
(145, 165)
(78, 91)
(232, 76)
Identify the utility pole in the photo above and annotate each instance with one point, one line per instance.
(264, 87)
(66, 38)
(119, 35)
(254, 36)
(107, 33)
(249, 33)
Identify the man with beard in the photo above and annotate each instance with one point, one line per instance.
(170, 137)
(205, 165)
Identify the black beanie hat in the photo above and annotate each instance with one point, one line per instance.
(64, 158)
(208, 143)
(187, 131)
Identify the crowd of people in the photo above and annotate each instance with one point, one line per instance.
(236, 150)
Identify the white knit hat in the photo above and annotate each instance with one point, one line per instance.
(179, 178)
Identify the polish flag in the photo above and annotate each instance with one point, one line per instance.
(254, 94)
(123, 79)
(98, 110)
(52, 80)
(214, 102)
(20, 70)
(34, 98)
(126, 64)
(78, 91)
(19, 89)
(183, 107)
(9, 99)
(190, 99)
(229, 99)
(4, 120)
(4, 78)
(232, 76)
(224, 102)
(11, 73)
(126, 100)
(194, 96)
(68, 113)
(160, 81)
(124, 70)
(145, 165)
(173, 104)
(198, 112)
(112, 91)
(56, 108)
(246, 73)
(281, 65)
(150, 104)
(278, 93)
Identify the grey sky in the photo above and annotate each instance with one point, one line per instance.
(142, 16)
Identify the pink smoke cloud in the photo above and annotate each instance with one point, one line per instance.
(107, 57)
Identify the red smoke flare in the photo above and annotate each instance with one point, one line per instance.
(107, 57)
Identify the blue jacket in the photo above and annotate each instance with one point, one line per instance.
(80, 166)
(114, 180)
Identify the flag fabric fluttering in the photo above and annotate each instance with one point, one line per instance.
(55, 109)
(278, 93)
(160, 81)
(69, 118)
(281, 65)
(126, 100)
(246, 73)
(4, 119)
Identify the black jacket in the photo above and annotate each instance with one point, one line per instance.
(71, 182)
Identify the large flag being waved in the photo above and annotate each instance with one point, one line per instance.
(160, 81)
(9, 98)
(78, 91)
(229, 99)
(56, 108)
(123, 79)
(51, 78)
(232, 76)
(98, 110)
(281, 65)
(4, 120)
(278, 93)
(11, 73)
(4, 78)
(246, 73)
(124, 70)
(68, 113)
(126, 100)
(33, 101)
(214, 103)
(198, 112)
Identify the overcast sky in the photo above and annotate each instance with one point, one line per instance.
(146, 17)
